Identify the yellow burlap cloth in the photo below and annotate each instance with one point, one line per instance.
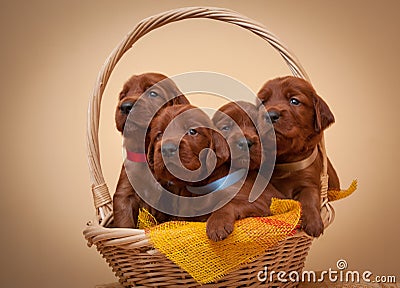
(187, 245)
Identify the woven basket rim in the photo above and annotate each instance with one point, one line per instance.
(100, 192)
(129, 238)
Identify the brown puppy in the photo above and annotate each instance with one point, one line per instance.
(182, 139)
(299, 117)
(237, 121)
(127, 202)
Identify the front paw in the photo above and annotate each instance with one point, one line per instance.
(218, 228)
(312, 224)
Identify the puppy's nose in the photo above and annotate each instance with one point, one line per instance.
(169, 149)
(272, 116)
(244, 144)
(126, 107)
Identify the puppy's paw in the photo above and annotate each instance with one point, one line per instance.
(218, 228)
(312, 224)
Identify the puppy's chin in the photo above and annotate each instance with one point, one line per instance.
(131, 128)
(240, 163)
(163, 175)
(249, 161)
(268, 136)
(287, 146)
(287, 131)
(295, 148)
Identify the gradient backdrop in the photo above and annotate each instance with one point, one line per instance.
(51, 52)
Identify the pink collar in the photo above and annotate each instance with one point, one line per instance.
(136, 157)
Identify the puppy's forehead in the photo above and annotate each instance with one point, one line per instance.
(196, 117)
(148, 79)
(140, 83)
(298, 84)
(287, 86)
(183, 116)
(241, 112)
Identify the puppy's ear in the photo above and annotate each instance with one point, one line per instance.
(221, 147)
(323, 115)
(150, 151)
(179, 98)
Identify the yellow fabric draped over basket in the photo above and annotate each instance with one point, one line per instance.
(187, 245)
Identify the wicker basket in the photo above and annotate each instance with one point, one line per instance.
(128, 251)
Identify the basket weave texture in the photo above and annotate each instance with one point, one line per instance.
(128, 251)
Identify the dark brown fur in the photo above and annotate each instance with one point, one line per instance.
(127, 202)
(189, 144)
(299, 117)
(221, 222)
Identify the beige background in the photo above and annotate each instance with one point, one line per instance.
(51, 52)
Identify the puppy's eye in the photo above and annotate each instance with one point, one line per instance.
(159, 135)
(294, 101)
(192, 132)
(225, 128)
(153, 94)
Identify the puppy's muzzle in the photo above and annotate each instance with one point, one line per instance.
(244, 144)
(272, 116)
(126, 107)
(169, 149)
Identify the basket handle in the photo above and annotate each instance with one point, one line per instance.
(101, 194)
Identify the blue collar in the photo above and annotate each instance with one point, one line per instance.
(219, 184)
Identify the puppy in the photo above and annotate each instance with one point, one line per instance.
(126, 202)
(299, 117)
(182, 142)
(237, 122)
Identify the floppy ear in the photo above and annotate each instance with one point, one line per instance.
(179, 98)
(150, 151)
(323, 115)
(221, 147)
